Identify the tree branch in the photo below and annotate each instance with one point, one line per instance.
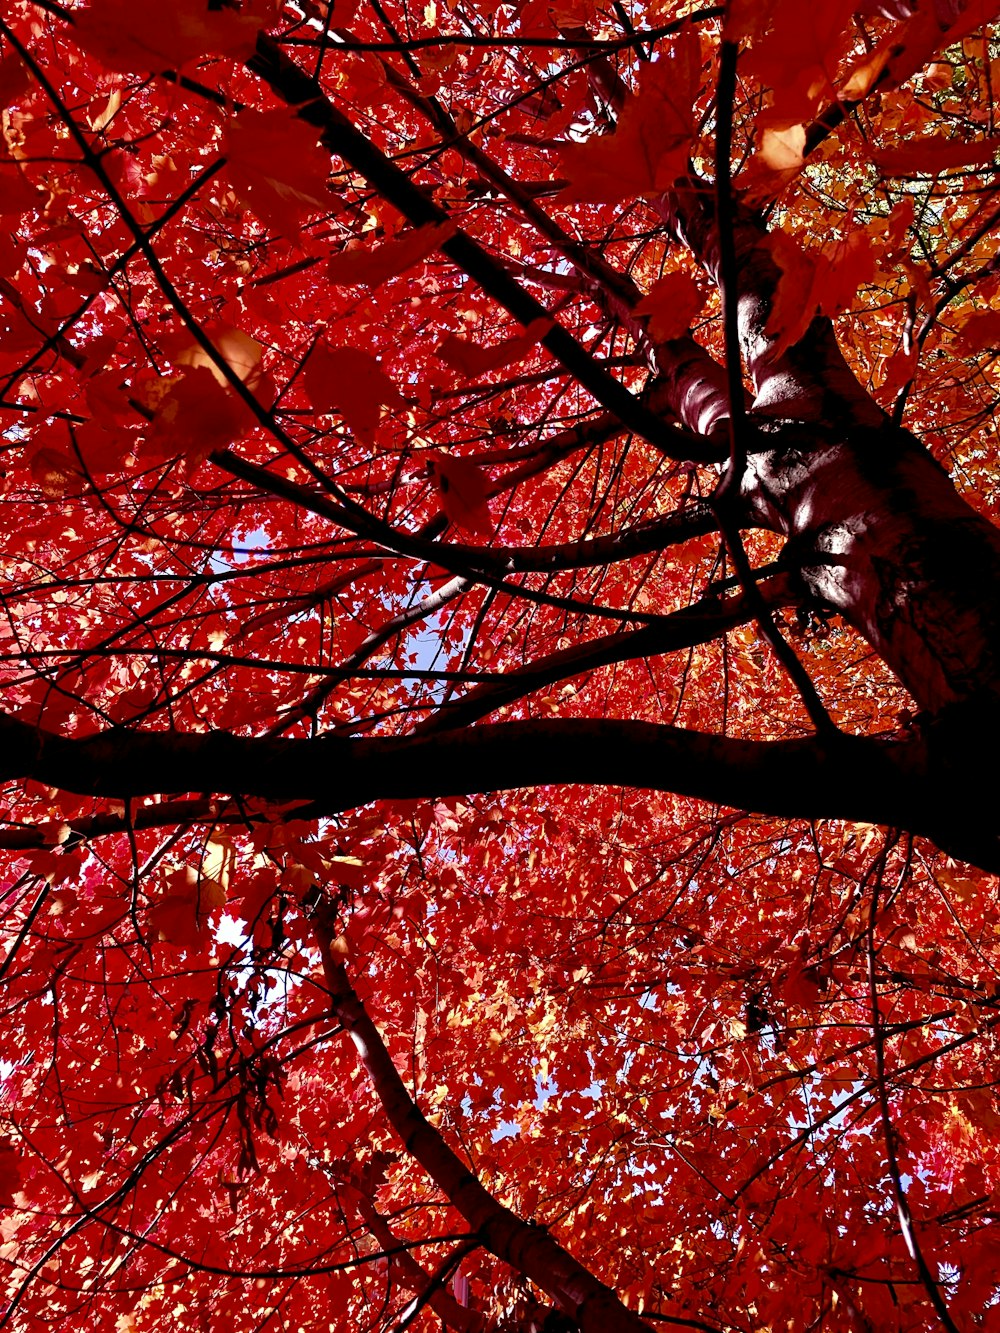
(697, 624)
(528, 1249)
(295, 87)
(844, 777)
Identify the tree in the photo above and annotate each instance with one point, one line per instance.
(499, 566)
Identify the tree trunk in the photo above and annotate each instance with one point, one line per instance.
(874, 526)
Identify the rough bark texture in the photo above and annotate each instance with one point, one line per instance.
(875, 527)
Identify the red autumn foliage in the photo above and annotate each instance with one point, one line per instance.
(498, 829)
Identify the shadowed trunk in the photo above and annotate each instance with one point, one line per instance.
(875, 527)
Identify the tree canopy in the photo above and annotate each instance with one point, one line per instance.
(500, 665)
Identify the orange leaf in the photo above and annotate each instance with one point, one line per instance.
(865, 74)
(900, 221)
(464, 492)
(979, 331)
(371, 266)
(779, 159)
(650, 147)
(928, 32)
(934, 153)
(352, 383)
(781, 150)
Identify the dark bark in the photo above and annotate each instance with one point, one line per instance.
(915, 785)
(529, 1249)
(874, 525)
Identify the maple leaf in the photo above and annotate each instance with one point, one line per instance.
(179, 916)
(135, 38)
(109, 402)
(464, 492)
(670, 305)
(194, 415)
(649, 149)
(978, 332)
(15, 79)
(195, 411)
(237, 349)
(778, 160)
(352, 383)
(798, 56)
(56, 472)
(933, 154)
(822, 282)
(17, 194)
(11, 1178)
(276, 167)
(474, 360)
(930, 29)
(367, 266)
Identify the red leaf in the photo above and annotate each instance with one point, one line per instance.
(671, 305)
(276, 167)
(194, 415)
(15, 79)
(179, 916)
(843, 266)
(352, 383)
(474, 360)
(650, 147)
(799, 57)
(56, 473)
(935, 153)
(137, 38)
(17, 194)
(109, 402)
(371, 266)
(822, 282)
(464, 492)
(932, 28)
(11, 1177)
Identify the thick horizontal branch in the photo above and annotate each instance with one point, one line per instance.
(861, 779)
